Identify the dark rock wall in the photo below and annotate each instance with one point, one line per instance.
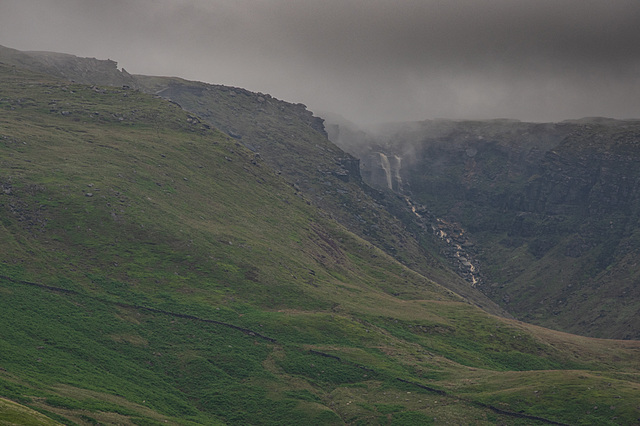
(553, 209)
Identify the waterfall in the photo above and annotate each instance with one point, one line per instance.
(382, 171)
(386, 166)
(397, 180)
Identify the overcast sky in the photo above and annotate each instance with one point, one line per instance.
(368, 60)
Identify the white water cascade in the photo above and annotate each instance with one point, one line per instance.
(396, 173)
(391, 168)
(386, 166)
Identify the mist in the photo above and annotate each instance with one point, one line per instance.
(369, 61)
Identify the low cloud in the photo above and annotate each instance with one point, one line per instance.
(368, 60)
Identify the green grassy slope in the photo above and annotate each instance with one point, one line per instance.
(153, 271)
(290, 140)
(12, 413)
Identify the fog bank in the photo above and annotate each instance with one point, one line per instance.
(367, 60)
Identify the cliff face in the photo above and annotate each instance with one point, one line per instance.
(578, 216)
(552, 210)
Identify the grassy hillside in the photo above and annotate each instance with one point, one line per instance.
(292, 141)
(154, 271)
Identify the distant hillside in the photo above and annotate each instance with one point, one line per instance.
(154, 270)
(291, 140)
(552, 210)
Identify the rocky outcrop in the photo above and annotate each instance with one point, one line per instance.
(70, 67)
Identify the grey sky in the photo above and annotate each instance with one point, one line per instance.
(369, 60)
